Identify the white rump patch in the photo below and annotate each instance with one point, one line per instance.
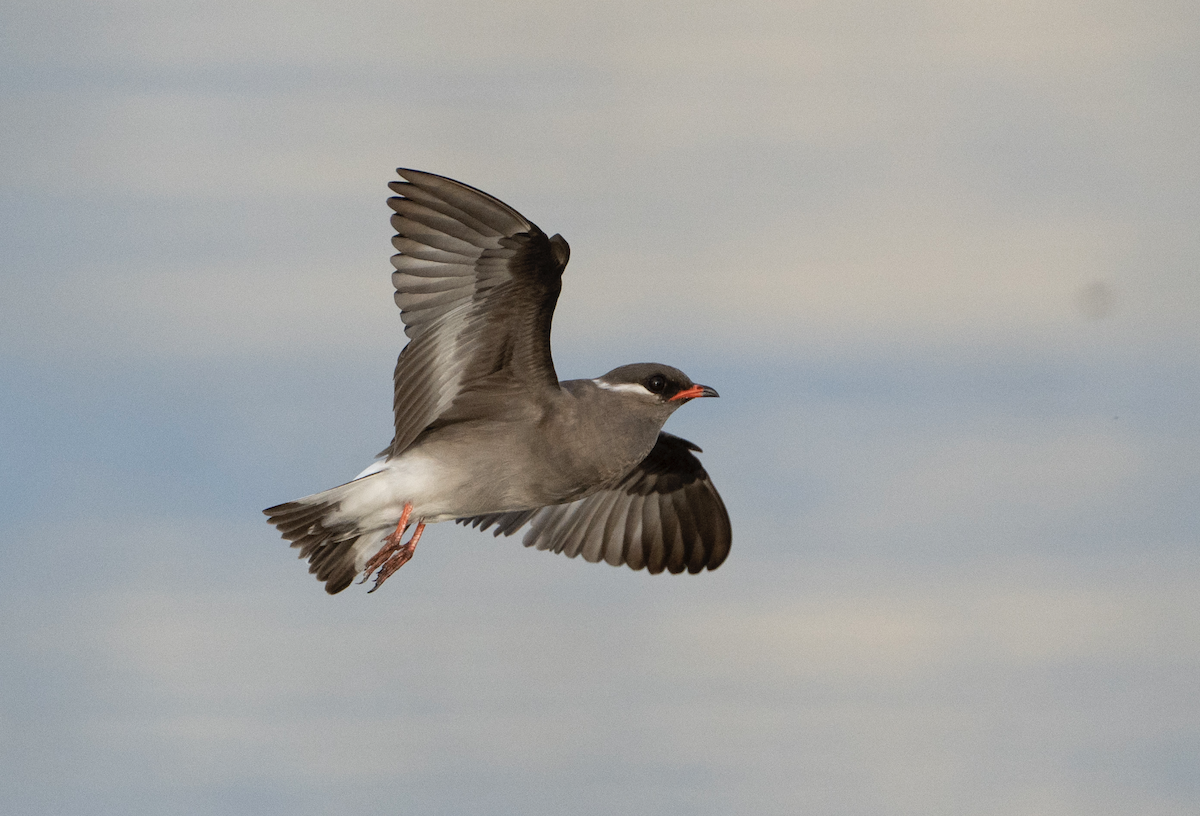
(374, 467)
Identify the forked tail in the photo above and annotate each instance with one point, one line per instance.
(336, 549)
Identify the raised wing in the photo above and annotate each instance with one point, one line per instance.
(665, 514)
(476, 283)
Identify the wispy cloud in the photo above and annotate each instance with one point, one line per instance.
(938, 258)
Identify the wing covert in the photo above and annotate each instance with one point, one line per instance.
(664, 514)
(476, 283)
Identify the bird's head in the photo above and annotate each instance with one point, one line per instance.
(654, 384)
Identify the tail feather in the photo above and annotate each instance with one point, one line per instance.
(335, 565)
(334, 549)
(297, 520)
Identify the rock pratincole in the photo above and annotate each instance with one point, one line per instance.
(487, 435)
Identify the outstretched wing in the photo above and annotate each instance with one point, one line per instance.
(476, 283)
(665, 514)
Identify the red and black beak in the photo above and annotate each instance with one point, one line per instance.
(695, 391)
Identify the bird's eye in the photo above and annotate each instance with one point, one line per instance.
(656, 384)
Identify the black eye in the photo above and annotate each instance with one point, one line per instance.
(656, 384)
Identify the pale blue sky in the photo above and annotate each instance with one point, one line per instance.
(940, 259)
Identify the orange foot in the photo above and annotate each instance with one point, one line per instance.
(393, 555)
(398, 558)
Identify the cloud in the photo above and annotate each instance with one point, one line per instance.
(259, 311)
(799, 175)
(938, 258)
(688, 685)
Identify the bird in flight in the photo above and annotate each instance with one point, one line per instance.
(487, 435)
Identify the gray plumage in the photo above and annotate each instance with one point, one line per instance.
(486, 434)
(476, 284)
(664, 514)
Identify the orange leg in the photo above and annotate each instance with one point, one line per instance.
(393, 555)
(390, 544)
(399, 558)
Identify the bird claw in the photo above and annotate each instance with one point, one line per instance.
(393, 555)
(397, 559)
(391, 546)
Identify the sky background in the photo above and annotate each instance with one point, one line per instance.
(941, 259)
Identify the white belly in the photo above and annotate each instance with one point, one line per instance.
(376, 498)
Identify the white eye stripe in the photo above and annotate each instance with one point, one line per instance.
(632, 388)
